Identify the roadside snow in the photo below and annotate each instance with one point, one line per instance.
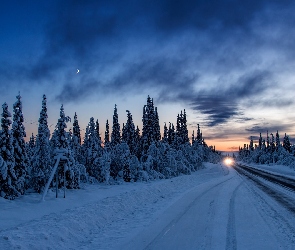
(274, 169)
(96, 215)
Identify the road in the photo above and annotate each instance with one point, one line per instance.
(239, 209)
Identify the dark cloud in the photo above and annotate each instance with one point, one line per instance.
(222, 103)
(77, 92)
(131, 46)
(271, 128)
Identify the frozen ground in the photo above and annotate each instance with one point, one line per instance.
(214, 208)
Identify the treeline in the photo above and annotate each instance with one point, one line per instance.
(121, 155)
(269, 150)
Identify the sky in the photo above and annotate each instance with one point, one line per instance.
(229, 63)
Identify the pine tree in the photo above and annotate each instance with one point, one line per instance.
(171, 133)
(165, 134)
(151, 127)
(93, 149)
(115, 137)
(260, 142)
(76, 129)
(137, 140)
(267, 140)
(272, 143)
(97, 129)
(20, 154)
(8, 176)
(76, 141)
(62, 142)
(128, 133)
(251, 148)
(199, 138)
(278, 143)
(41, 161)
(286, 143)
(107, 134)
(156, 126)
(184, 128)
(193, 137)
(30, 148)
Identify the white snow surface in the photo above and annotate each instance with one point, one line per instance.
(274, 169)
(214, 208)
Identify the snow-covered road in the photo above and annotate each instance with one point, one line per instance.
(214, 208)
(229, 212)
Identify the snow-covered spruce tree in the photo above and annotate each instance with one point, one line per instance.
(171, 133)
(8, 176)
(137, 140)
(272, 143)
(19, 145)
(107, 134)
(181, 129)
(41, 161)
(153, 162)
(178, 133)
(267, 140)
(199, 137)
(286, 143)
(75, 172)
(150, 125)
(30, 149)
(120, 165)
(156, 126)
(3, 176)
(260, 142)
(62, 143)
(104, 163)
(128, 133)
(115, 136)
(251, 147)
(97, 129)
(62, 139)
(278, 143)
(165, 134)
(92, 149)
(76, 141)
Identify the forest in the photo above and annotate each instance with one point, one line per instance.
(120, 155)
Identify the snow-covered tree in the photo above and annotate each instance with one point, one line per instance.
(41, 160)
(128, 133)
(30, 149)
(278, 143)
(107, 134)
(76, 141)
(19, 145)
(8, 176)
(150, 125)
(286, 143)
(92, 149)
(120, 167)
(115, 136)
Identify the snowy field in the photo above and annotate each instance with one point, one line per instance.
(214, 208)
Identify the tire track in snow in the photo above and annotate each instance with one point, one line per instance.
(206, 241)
(231, 241)
(278, 221)
(280, 197)
(208, 236)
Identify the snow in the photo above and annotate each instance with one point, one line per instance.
(214, 208)
(274, 169)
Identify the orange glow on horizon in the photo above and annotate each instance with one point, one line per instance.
(227, 146)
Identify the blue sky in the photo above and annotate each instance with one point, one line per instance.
(230, 64)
